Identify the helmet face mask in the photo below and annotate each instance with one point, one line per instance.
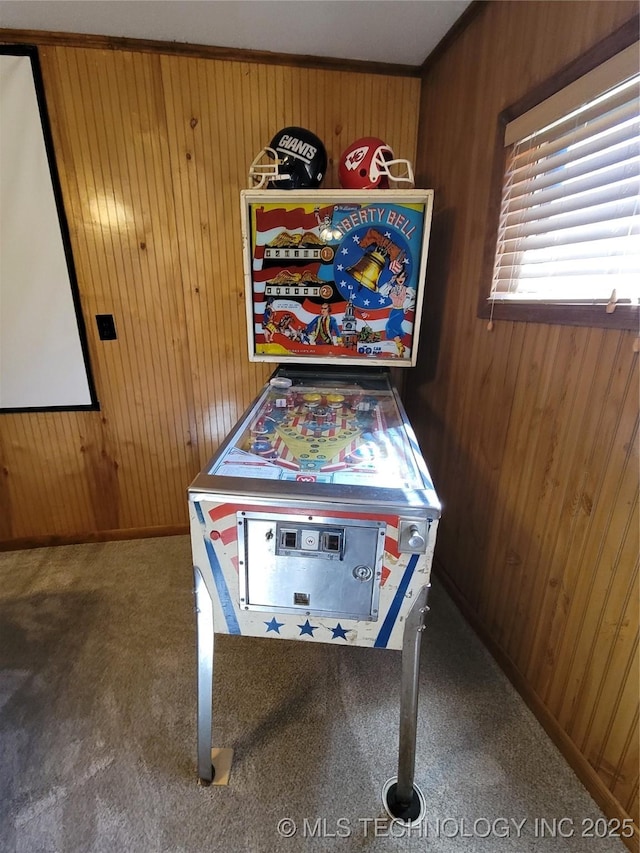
(299, 161)
(369, 163)
(402, 171)
(265, 168)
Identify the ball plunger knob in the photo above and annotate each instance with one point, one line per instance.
(416, 539)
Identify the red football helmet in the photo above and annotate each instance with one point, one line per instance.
(366, 165)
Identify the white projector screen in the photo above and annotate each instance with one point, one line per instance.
(43, 357)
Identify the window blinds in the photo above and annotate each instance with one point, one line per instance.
(570, 214)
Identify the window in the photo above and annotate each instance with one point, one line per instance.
(567, 247)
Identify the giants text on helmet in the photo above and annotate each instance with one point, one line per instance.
(298, 147)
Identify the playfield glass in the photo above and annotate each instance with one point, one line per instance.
(347, 433)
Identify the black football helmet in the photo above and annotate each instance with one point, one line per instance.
(295, 159)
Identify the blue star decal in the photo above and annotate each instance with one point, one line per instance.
(307, 629)
(274, 625)
(339, 633)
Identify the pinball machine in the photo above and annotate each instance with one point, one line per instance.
(316, 519)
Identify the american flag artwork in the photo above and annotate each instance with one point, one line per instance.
(336, 280)
(214, 538)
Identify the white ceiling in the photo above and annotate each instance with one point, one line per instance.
(397, 31)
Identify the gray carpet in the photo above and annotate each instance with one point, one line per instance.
(97, 726)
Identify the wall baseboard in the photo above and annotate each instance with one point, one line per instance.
(576, 760)
(96, 536)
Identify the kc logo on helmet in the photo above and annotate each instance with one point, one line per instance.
(355, 157)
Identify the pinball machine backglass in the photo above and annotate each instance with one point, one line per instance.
(335, 277)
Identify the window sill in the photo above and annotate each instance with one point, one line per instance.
(623, 317)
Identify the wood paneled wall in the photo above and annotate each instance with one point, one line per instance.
(531, 430)
(153, 150)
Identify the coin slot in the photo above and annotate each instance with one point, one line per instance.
(331, 542)
(289, 539)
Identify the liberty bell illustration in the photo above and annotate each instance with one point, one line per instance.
(367, 270)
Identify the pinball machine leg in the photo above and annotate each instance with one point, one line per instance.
(402, 798)
(204, 620)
